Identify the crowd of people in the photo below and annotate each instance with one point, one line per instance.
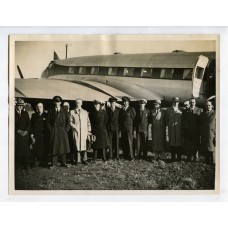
(65, 135)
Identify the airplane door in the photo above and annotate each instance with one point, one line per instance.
(198, 75)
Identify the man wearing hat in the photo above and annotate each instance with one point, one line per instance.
(191, 129)
(174, 124)
(99, 120)
(126, 117)
(141, 126)
(113, 127)
(158, 129)
(39, 134)
(22, 128)
(80, 125)
(70, 156)
(58, 125)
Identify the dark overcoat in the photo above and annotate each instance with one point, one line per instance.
(158, 130)
(39, 130)
(58, 124)
(173, 121)
(208, 130)
(113, 119)
(191, 128)
(99, 120)
(22, 122)
(141, 120)
(126, 118)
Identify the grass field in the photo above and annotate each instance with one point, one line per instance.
(120, 175)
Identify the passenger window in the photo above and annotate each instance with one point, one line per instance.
(199, 72)
(82, 70)
(71, 70)
(120, 71)
(95, 70)
(128, 71)
(146, 73)
(103, 71)
(156, 72)
(167, 73)
(187, 75)
(112, 71)
(88, 70)
(137, 72)
(76, 70)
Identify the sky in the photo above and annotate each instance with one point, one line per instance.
(33, 53)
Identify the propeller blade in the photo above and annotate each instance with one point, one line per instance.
(20, 73)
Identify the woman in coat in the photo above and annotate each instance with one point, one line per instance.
(80, 125)
(208, 130)
(99, 121)
(158, 129)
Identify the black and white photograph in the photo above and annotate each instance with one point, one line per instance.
(114, 112)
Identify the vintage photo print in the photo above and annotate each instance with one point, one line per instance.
(114, 114)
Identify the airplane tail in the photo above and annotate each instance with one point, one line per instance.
(56, 57)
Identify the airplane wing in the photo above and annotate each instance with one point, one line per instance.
(47, 89)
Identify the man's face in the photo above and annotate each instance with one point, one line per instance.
(142, 106)
(57, 104)
(78, 104)
(97, 106)
(175, 103)
(157, 106)
(66, 108)
(126, 103)
(113, 104)
(209, 106)
(39, 108)
(192, 103)
(20, 107)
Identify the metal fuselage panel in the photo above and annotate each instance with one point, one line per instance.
(139, 87)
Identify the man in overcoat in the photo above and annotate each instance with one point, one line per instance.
(158, 129)
(173, 122)
(70, 156)
(208, 132)
(40, 134)
(113, 128)
(58, 125)
(22, 129)
(127, 116)
(81, 128)
(141, 127)
(99, 120)
(191, 130)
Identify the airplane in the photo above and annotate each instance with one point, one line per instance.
(151, 76)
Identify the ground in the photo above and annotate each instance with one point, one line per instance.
(120, 175)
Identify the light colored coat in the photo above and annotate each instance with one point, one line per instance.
(80, 124)
(173, 121)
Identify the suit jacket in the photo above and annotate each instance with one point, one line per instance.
(58, 125)
(142, 120)
(113, 119)
(126, 119)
